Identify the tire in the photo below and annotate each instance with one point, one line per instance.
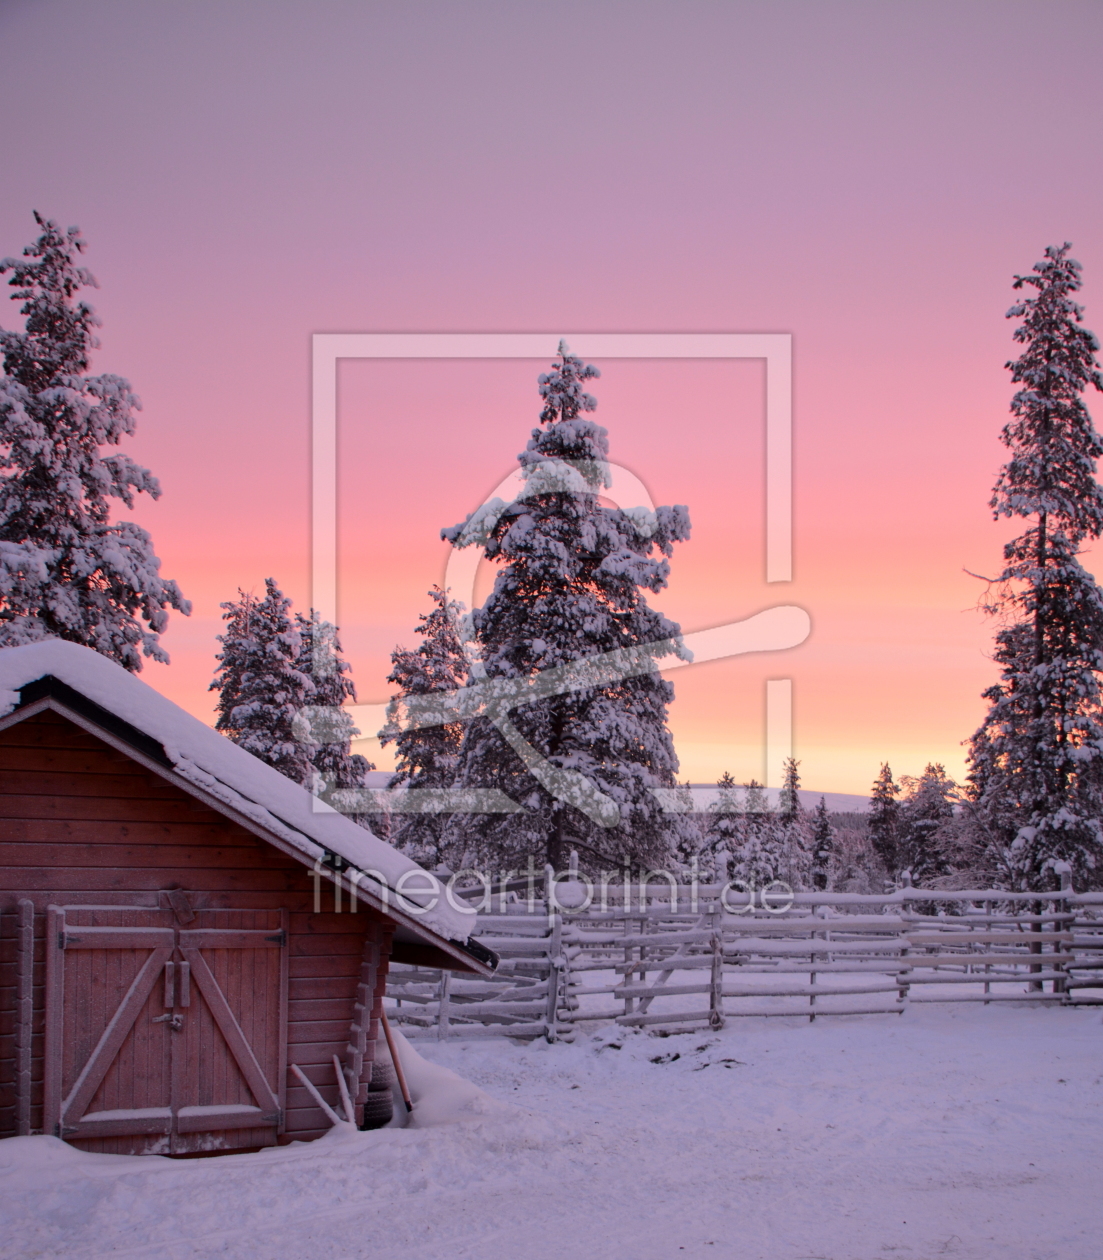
(378, 1109)
(382, 1076)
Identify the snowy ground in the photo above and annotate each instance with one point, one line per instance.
(960, 1132)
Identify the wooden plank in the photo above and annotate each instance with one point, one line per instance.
(811, 990)
(121, 1126)
(335, 1031)
(96, 881)
(232, 938)
(89, 855)
(537, 1029)
(55, 1017)
(106, 808)
(505, 1010)
(25, 757)
(329, 1008)
(307, 1052)
(101, 782)
(307, 988)
(202, 1119)
(930, 1000)
(81, 936)
(186, 832)
(349, 945)
(24, 1017)
(982, 977)
(327, 966)
(650, 991)
(1022, 958)
(231, 1030)
(281, 1048)
(943, 939)
(36, 733)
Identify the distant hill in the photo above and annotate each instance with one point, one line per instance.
(837, 802)
(705, 793)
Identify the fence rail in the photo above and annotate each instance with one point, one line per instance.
(652, 963)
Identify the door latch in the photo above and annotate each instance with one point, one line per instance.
(175, 1022)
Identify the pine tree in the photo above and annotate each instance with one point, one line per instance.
(788, 801)
(428, 756)
(690, 841)
(762, 853)
(324, 725)
(823, 846)
(569, 590)
(927, 809)
(794, 825)
(722, 828)
(66, 571)
(884, 820)
(1036, 763)
(262, 690)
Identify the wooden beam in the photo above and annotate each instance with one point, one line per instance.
(24, 1016)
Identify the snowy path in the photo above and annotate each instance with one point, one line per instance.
(948, 1132)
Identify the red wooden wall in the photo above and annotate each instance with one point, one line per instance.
(83, 824)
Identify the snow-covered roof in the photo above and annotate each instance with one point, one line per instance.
(226, 772)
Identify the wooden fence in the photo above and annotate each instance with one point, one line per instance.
(648, 963)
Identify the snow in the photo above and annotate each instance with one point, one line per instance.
(132, 1113)
(969, 1133)
(220, 767)
(440, 1095)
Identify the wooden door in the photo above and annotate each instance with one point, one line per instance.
(162, 1038)
(108, 1051)
(229, 1055)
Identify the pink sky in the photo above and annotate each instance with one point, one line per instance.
(864, 176)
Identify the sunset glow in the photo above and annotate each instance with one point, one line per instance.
(846, 173)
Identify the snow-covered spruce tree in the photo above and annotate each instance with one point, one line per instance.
(723, 813)
(569, 590)
(427, 756)
(1036, 763)
(721, 824)
(795, 826)
(762, 841)
(67, 571)
(884, 820)
(689, 839)
(788, 801)
(324, 726)
(823, 846)
(262, 689)
(924, 816)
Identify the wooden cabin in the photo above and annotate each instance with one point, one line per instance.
(180, 923)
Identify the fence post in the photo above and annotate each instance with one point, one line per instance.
(555, 950)
(812, 982)
(443, 1005)
(629, 976)
(904, 988)
(716, 981)
(1065, 872)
